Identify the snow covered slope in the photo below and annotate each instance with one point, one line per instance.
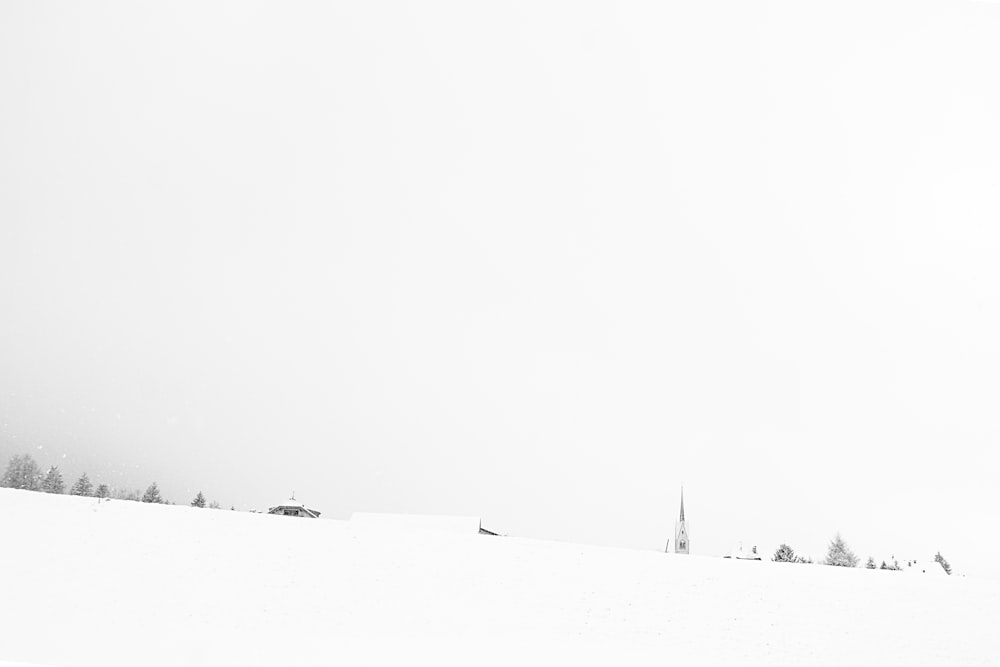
(116, 583)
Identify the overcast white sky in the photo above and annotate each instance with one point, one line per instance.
(537, 261)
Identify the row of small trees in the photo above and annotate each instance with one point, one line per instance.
(840, 555)
(23, 472)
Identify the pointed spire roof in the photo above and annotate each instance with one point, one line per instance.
(682, 504)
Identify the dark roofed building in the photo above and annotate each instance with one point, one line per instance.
(483, 531)
(294, 508)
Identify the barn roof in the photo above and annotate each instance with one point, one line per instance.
(293, 504)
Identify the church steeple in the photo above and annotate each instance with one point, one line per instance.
(682, 544)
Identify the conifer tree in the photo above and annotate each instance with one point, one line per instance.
(839, 555)
(102, 491)
(871, 563)
(884, 566)
(214, 506)
(152, 494)
(940, 559)
(82, 487)
(53, 482)
(22, 473)
(199, 500)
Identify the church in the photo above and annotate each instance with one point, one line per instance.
(682, 544)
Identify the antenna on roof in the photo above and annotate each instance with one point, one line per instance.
(293, 495)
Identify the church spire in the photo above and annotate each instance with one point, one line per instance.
(682, 544)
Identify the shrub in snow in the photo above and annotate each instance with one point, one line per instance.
(785, 554)
(82, 487)
(940, 559)
(53, 482)
(199, 500)
(871, 564)
(22, 473)
(838, 554)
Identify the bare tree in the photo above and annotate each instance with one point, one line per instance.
(22, 473)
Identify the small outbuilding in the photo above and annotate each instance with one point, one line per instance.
(293, 508)
(483, 531)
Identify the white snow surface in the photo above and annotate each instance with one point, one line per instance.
(422, 523)
(124, 583)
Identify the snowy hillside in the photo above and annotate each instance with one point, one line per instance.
(116, 583)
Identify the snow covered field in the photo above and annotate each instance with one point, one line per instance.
(116, 583)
